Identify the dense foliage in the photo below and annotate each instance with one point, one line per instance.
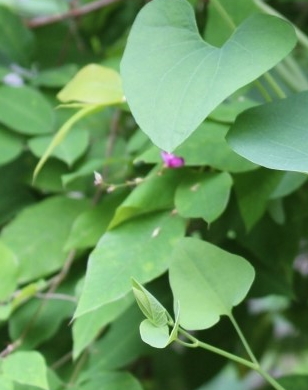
(153, 198)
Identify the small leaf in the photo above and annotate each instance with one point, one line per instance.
(207, 281)
(203, 195)
(10, 146)
(27, 368)
(9, 271)
(149, 305)
(274, 135)
(94, 84)
(25, 110)
(156, 336)
(173, 79)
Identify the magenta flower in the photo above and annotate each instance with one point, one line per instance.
(172, 161)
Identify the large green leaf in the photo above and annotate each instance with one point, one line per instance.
(207, 282)
(25, 110)
(9, 271)
(28, 368)
(203, 195)
(38, 235)
(118, 257)
(173, 79)
(274, 135)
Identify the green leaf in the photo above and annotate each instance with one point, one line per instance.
(16, 41)
(6, 384)
(117, 258)
(289, 183)
(111, 381)
(69, 150)
(25, 110)
(206, 146)
(87, 327)
(10, 146)
(149, 305)
(92, 223)
(39, 233)
(173, 79)
(121, 345)
(9, 271)
(94, 84)
(28, 368)
(203, 195)
(274, 135)
(294, 382)
(253, 190)
(156, 193)
(207, 281)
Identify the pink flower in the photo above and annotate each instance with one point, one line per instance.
(171, 160)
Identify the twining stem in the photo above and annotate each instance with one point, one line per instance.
(254, 365)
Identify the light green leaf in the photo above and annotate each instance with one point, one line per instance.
(10, 146)
(6, 384)
(25, 110)
(274, 135)
(9, 271)
(206, 146)
(156, 336)
(149, 305)
(16, 41)
(92, 223)
(253, 191)
(28, 368)
(203, 195)
(117, 258)
(173, 79)
(207, 281)
(69, 150)
(87, 327)
(39, 233)
(94, 84)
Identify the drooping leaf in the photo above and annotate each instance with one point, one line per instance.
(93, 84)
(88, 326)
(10, 146)
(27, 368)
(25, 110)
(39, 233)
(117, 258)
(69, 150)
(274, 135)
(173, 79)
(9, 271)
(207, 282)
(203, 195)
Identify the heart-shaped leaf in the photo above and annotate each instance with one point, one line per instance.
(274, 135)
(173, 79)
(207, 282)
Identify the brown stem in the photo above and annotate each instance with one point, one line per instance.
(72, 13)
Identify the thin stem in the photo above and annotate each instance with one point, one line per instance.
(243, 340)
(275, 87)
(223, 13)
(72, 13)
(270, 379)
(221, 352)
(263, 91)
